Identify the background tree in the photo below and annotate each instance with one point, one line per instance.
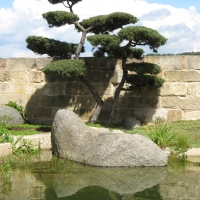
(64, 52)
(122, 45)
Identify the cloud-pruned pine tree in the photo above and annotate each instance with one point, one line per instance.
(67, 54)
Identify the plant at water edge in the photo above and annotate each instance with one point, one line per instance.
(5, 175)
(161, 135)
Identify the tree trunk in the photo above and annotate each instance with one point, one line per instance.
(116, 96)
(80, 45)
(88, 84)
(97, 98)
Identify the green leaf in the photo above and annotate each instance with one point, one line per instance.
(60, 18)
(66, 68)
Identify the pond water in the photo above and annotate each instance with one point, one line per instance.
(73, 181)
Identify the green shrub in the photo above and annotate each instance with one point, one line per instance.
(19, 108)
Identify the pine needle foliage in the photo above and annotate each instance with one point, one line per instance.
(66, 68)
(54, 48)
(59, 18)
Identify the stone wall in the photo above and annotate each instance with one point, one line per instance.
(21, 80)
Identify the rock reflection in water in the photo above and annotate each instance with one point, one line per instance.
(124, 181)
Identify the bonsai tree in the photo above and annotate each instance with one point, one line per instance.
(67, 54)
(123, 46)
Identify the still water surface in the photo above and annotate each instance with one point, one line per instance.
(177, 181)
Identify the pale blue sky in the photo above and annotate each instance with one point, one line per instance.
(177, 20)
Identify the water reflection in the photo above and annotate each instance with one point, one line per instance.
(81, 182)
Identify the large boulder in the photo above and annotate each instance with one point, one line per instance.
(72, 139)
(13, 113)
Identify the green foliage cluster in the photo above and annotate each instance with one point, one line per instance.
(144, 81)
(140, 35)
(19, 108)
(145, 75)
(171, 54)
(104, 24)
(62, 1)
(60, 18)
(53, 48)
(66, 68)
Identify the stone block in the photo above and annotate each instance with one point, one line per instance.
(174, 115)
(20, 98)
(50, 89)
(193, 62)
(192, 88)
(168, 63)
(42, 62)
(76, 88)
(143, 102)
(105, 89)
(191, 114)
(183, 103)
(173, 89)
(33, 100)
(64, 101)
(85, 102)
(15, 88)
(182, 76)
(21, 64)
(5, 149)
(100, 76)
(108, 101)
(14, 76)
(93, 63)
(36, 76)
(38, 112)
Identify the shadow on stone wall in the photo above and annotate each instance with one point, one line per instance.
(60, 92)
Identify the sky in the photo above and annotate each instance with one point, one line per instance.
(177, 20)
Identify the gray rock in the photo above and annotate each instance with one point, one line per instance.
(130, 123)
(72, 139)
(13, 113)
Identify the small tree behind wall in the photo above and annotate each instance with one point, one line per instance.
(68, 63)
(123, 46)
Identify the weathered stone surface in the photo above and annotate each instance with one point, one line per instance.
(182, 76)
(13, 113)
(15, 88)
(36, 76)
(72, 139)
(143, 102)
(5, 149)
(20, 98)
(174, 115)
(117, 76)
(173, 89)
(20, 64)
(193, 62)
(191, 115)
(119, 180)
(130, 123)
(42, 62)
(168, 63)
(183, 103)
(14, 76)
